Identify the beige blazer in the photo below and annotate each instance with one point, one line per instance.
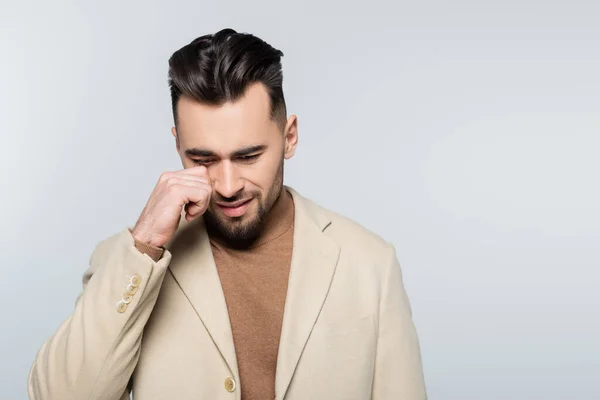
(347, 328)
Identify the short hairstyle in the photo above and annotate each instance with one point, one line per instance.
(218, 68)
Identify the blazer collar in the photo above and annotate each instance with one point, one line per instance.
(314, 260)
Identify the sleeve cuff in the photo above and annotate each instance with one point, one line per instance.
(155, 253)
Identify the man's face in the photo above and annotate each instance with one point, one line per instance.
(243, 150)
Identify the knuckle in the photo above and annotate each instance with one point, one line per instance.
(171, 181)
(164, 176)
(175, 191)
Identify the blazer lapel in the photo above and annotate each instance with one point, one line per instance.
(314, 260)
(193, 267)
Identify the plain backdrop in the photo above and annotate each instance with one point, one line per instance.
(464, 132)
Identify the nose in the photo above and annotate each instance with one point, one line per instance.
(227, 180)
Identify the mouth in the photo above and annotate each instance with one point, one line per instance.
(236, 209)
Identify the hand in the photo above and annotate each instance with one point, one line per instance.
(159, 220)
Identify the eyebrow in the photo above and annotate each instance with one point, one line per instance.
(200, 152)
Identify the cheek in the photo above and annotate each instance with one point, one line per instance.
(263, 173)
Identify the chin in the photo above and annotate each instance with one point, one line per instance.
(235, 224)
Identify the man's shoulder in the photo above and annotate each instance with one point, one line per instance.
(347, 231)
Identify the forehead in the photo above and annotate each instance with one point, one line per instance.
(228, 126)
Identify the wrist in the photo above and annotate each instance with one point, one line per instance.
(144, 237)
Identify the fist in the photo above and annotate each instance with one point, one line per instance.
(189, 188)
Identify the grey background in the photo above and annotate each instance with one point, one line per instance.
(465, 132)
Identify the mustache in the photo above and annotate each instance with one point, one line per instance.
(216, 198)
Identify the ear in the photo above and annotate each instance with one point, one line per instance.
(290, 133)
(174, 132)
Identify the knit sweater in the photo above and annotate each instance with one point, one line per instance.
(255, 283)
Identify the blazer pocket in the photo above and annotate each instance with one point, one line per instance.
(343, 358)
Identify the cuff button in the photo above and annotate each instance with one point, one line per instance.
(135, 281)
(121, 307)
(131, 290)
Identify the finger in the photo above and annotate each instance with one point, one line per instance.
(204, 179)
(194, 208)
(187, 191)
(198, 173)
(186, 180)
(199, 195)
(189, 217)
(197, 208)
(199, 170)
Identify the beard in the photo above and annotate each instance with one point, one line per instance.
(241, 232)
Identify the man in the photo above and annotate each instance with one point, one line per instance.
(232, 285)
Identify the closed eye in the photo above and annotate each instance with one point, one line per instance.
(248, 158)
(202, 162)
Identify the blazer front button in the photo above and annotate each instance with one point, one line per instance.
(229, 385)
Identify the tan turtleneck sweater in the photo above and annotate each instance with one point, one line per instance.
(255, 282)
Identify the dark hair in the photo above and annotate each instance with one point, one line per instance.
(218, 68)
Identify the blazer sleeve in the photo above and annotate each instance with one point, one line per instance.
(398, 367)
(93, 353)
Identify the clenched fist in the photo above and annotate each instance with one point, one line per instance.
(190, 187)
